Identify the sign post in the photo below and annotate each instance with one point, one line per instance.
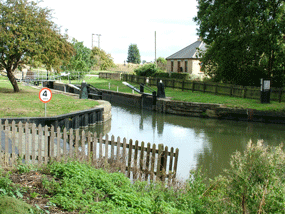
(45, 96)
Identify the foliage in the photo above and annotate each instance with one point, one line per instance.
(161, 75)
(9, 205)
(254, 183)
(134, 54)
(182, 76)
(81, 62)
(27, 33)
(147, 70)
(7, 188)
(243, 45)
(161, 63)
(103, 60)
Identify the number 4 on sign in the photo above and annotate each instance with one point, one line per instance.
(45, 96)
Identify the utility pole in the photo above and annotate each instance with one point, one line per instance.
(92, 41)
(155, 48)
(98, 40)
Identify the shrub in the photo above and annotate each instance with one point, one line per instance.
(146, 70)
(182, 76)
(254, 183)
(161, 75)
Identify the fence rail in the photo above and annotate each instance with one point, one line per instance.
(277, 94)
(37, 145)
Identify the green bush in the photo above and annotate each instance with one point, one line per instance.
(182, 76)
(255, 183)
(161, 75)
(147, 70)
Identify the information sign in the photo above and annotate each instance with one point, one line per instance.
(45, 95)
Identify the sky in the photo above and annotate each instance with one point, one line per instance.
(125, 22)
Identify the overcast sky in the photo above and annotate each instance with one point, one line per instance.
(125, 22)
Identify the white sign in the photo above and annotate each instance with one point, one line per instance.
(266, 84)
(45, 95)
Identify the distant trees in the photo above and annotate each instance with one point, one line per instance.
(27, 33)
(103, 61)
(134, 54)
(81, 60)
(161, 63)
(245, 39)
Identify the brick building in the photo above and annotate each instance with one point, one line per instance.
(186, 60)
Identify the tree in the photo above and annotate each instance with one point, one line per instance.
(81, 59)
(245, 39)
(27, 32)
(134, 54)
(161, 63)
(103, 60)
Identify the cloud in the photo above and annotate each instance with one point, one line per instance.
(124, 22)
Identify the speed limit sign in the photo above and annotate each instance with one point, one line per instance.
(45, 95)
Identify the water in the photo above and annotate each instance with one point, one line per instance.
(206, 143)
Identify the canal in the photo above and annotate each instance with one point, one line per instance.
(203, 143)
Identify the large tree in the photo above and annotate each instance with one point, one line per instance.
(103, 61)
(245, 39)
(81, 59)
(134, 54)
(27, 32)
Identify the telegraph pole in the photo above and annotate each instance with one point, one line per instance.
(155, 48)
(98, 40)
(92, 40)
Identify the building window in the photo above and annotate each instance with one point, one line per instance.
(172, 65)
(179, 66)
(186, 66)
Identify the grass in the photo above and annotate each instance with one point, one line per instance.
(26, 103)
(189, 96)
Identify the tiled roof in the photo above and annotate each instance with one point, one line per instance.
(189, 51)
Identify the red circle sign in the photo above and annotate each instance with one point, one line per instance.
(45, 95)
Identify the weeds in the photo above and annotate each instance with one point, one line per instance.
(254, 184)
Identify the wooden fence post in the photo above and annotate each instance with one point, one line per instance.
(147, 161)
(64, 143)
(244, 91)
(71, 143)
(58, 138)
(141, 163)
(158, 166)
(48, 147)
(124, 155)
(135, 167)
(176, 162)
(13, 142)
(130, 157)
(106, 146)
(27, 142)
(280, 94)
(152, 161)
(40, 144)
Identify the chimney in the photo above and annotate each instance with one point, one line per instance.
(199, 39)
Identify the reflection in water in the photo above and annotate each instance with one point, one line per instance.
(205, 143)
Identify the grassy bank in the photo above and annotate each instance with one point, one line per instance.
(26, 103)
(189, 96)
(254, 184)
